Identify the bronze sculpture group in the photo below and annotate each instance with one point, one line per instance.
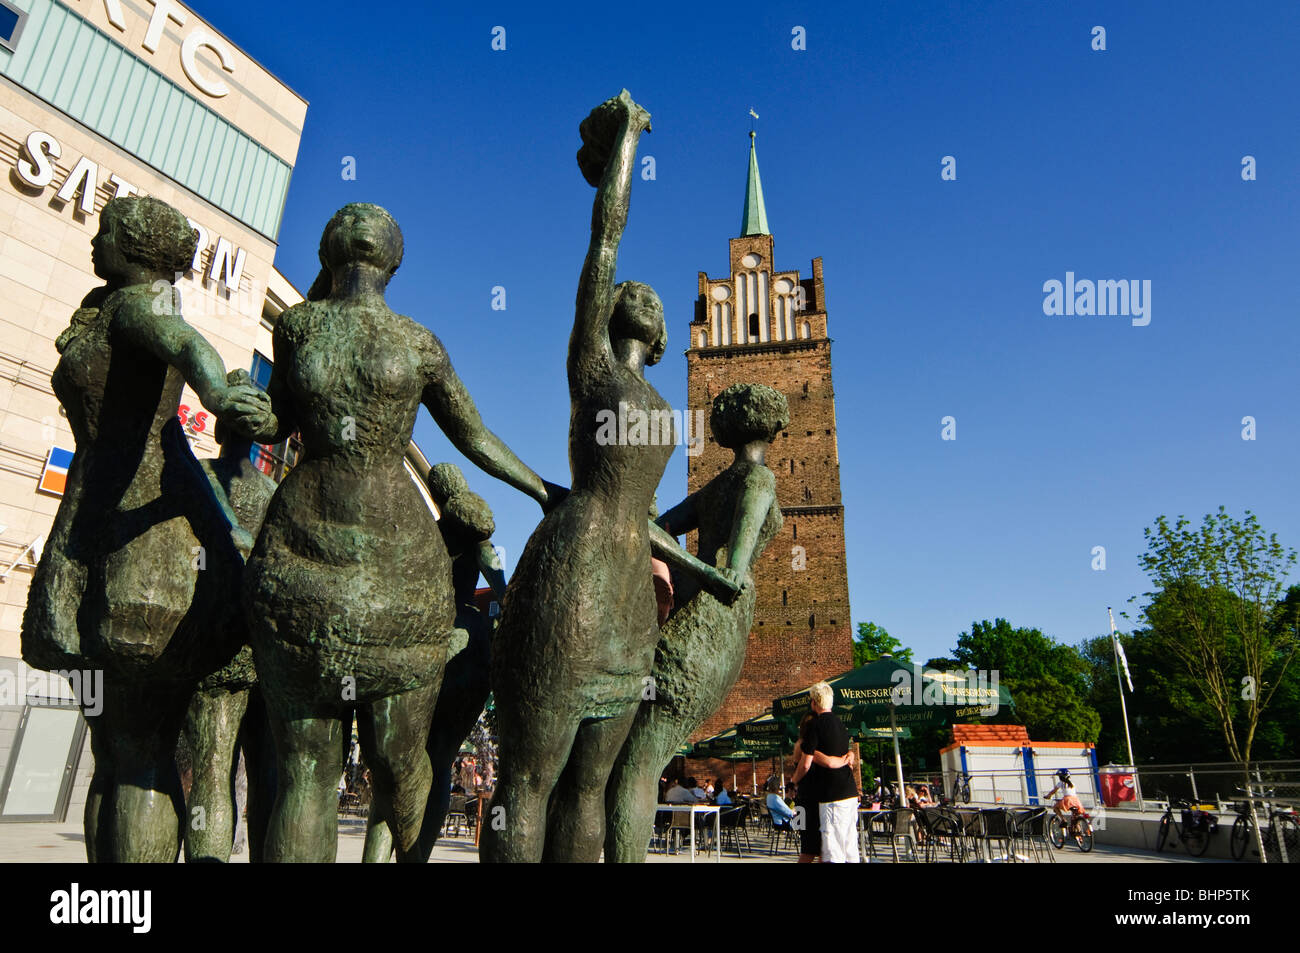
(221, 605)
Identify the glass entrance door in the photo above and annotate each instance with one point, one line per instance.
(39, 778)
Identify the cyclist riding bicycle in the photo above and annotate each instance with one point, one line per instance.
(1069, 797)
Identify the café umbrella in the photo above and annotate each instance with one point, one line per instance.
(890, 695)
(731, 745)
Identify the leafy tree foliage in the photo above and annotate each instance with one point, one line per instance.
(1219, 615)
(1049, 682)
(872, 641)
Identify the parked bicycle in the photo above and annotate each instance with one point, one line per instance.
(1078, 829)
(961, 788)
(1194, 827)
(1281, 822)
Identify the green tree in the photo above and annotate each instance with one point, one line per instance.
(1048, 681)
(872, 641)
(1168, 720)
(1218, 612)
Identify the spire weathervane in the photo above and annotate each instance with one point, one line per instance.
(754, 218)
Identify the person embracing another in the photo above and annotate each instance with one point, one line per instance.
(826, 753)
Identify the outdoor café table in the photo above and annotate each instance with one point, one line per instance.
(714, 809)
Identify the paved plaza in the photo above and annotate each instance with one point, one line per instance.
(64, 843)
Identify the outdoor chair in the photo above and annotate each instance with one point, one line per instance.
(1029, 833)
(778, 830)
(733, 828)
(456, 819)
(895, 827)
(679, 831)
(997, 829)
(349, 803)
(944, 835)
(663, 822)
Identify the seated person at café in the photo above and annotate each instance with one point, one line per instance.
(679, 795)
(722, 796)
(700, 793)
(782, 813)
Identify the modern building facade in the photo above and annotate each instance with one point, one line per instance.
(758, 324)
(105, 98)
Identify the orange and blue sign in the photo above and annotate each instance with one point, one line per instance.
(54, 478)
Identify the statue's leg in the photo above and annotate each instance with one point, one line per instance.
(310, 744)
(379, 837)
(442, 749)
(98, 822)
(259, 765)
(212, 728)
(393, 733)
(575, 830)
(144, 802)
(535, 745)
(632, 791)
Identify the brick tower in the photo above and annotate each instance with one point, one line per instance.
(760, 325)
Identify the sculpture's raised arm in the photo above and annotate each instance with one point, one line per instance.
(607, 157)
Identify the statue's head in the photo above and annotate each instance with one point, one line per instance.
(142, 233)
(639, 315)
(472, 513)
(744, 413)
(362, 232)
(445, 481)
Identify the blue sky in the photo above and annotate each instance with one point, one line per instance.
(1072, 432)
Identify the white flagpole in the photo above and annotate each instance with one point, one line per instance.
(1123, 705)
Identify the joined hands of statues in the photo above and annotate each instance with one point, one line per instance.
(599, 133)
(245, 407)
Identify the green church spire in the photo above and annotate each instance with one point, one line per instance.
(754, 221)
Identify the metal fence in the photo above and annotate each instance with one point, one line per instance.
(1220, 783)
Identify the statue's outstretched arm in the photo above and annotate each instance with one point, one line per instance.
(723, 585)
(607, 157)
(489, 564)
(682, 518)
(751, 511)
(169, 338)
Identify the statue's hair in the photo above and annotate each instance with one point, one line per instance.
(746, 412)
(329, 226)
(152, 233)
(640, 324)
(445, 481)
(470, 511)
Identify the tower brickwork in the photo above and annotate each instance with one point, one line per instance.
(761, 325)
